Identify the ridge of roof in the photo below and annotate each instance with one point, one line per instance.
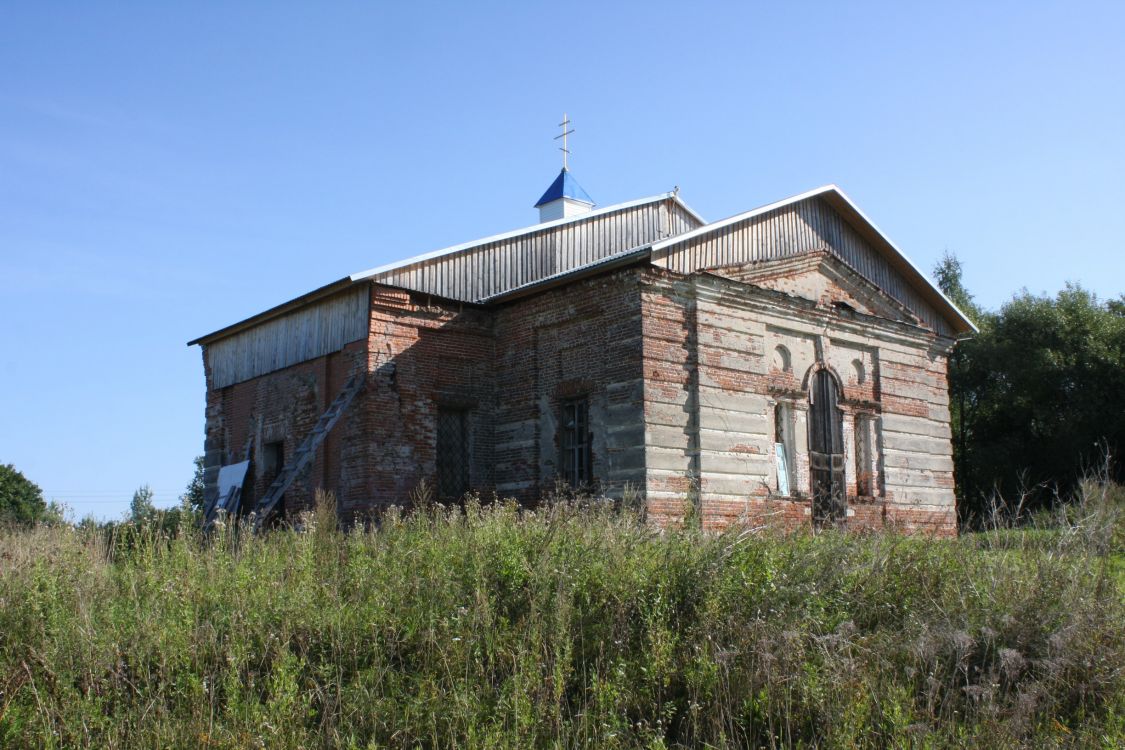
(565, 186)
(832, 191)
(673, 195)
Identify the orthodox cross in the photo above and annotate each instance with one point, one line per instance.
(564, 125)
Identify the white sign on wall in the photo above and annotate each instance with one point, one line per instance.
(782, 468)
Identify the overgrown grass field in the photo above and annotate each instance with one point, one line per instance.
(568, 627)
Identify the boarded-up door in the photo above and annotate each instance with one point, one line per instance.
(826, 452)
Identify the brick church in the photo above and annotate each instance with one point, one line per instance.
(785, 366)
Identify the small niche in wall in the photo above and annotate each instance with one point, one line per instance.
(859, 371)
(781, 359)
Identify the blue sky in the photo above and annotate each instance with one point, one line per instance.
(167, 169)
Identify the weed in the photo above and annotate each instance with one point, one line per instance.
(574, 625)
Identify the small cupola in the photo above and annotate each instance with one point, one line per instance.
(565, 198)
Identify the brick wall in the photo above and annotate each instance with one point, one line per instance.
(682, 375)
(283, 406)
(582, 339)
(423, 353)
(720, 354)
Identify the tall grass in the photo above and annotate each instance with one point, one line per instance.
(567, 627)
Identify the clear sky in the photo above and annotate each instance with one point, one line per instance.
(167, 169)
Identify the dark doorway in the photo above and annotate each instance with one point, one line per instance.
(273, 461)
(826, 452)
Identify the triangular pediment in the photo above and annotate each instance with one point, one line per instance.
(821, 278)
(820, 220)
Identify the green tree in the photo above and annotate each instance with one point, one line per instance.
(141, 508)
(193, 495)
(948, 274)
(21, 500)
(1038, 396)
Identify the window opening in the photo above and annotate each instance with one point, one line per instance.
(826, 451)
(864, 474)
(452, 452)
(783, 447)
(574, 464)
(273, 460)
(273, 455)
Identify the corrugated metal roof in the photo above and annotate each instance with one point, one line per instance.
(384, 273)
(462, 260)
(525, 230)
(628, 257)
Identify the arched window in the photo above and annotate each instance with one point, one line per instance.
(826, 450)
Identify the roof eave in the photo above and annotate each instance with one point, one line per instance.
(274, 312)
(839, 199)
(370, 275)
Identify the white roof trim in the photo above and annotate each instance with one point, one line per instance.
(517, 232)
(662, 244)
(925, 276)
(694, 214)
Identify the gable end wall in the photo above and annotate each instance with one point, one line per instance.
(803, 227)
(712, 382)
(312, 331)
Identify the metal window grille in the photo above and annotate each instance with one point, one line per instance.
(452, 452)
(575, 442)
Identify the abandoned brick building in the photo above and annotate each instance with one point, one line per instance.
(786, 365)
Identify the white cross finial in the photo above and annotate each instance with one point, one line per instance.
(564, 125)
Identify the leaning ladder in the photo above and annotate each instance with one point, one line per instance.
(304, 455)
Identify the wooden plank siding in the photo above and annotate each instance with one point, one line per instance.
(492, 268)
(306, 333)
(802, 227)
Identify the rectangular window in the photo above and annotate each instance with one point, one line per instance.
(273, 457)
(268, 463)
(864, 463)
(452, 452)
(574, 442)
(783, 447)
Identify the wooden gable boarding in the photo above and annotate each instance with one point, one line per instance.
(821, 220)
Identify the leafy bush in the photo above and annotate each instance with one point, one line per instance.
(21, 500)
(571, 626)
(1037, 398)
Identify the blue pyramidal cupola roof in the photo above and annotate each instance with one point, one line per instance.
(565, 186)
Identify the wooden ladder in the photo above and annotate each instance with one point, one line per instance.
(304, 455)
